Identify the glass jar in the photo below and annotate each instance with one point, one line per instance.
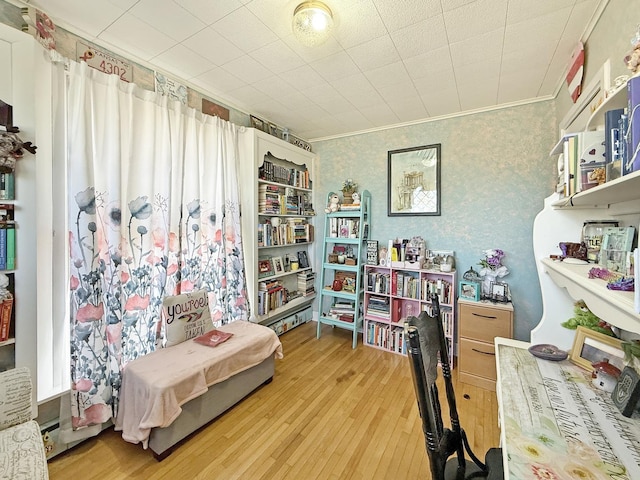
(592, 231)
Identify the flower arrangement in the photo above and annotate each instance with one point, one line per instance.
(349, 186)
(492, 263)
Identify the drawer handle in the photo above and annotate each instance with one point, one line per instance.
(484, 353)
(484, 316)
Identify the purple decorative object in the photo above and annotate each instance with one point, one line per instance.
(624, 284)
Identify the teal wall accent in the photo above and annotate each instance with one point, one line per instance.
(496, 172)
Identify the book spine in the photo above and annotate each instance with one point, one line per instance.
(5, 319)
(3, 247)
(633, 134)
(11, 246)
(10, 184)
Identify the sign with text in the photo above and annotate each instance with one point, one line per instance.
(104, 61)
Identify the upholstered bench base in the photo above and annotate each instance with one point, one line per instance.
(22, 454)
(201, 410)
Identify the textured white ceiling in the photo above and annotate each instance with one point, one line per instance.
(388, 61)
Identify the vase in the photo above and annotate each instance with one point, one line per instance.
(487, 280)
(346, 194)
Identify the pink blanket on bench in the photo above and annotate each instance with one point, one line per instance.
(155, 386)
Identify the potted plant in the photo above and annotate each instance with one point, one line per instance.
(349, 187)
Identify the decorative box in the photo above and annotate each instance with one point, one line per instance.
(592, 174)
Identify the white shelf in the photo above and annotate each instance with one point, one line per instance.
(283, 274)
(288, 308)
(617, 99)
(284, 185)
(620, 190)
(613, 306)
(302, 244)
(11, 341)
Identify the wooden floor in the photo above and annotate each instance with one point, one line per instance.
(331, 412)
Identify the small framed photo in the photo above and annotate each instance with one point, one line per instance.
(265, 269)
(258, 124)
(469, 290)
(303, 260)
(591, 347)
(278, 266)
(499, 291)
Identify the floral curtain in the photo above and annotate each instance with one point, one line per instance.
(153, 211)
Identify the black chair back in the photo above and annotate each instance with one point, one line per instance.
(427, 347)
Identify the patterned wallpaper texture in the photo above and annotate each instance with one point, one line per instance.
(496, 172)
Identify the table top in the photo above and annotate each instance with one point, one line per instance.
(556, 424)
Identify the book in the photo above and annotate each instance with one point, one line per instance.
(11, 246)
(7, 312)
(612, 134)
(632, 134)
(213, 338)
(3, 246)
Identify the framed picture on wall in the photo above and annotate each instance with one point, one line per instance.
(413, 186)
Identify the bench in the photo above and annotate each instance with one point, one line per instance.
(172, 392)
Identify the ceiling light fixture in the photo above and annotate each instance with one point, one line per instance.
(312, 23)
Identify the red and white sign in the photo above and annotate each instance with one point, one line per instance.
(576, 71)
(104, 61)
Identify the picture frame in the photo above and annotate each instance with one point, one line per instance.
(258, 124)
(413, 183)
(616, 243)
(499, 291)
(303, 260)
(278, 266)
(469, 290)
(265, 267)
(435, 258)
(591, 347)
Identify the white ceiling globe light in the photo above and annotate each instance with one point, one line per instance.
(312, 23)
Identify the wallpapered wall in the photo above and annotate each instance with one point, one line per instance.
(496, 172)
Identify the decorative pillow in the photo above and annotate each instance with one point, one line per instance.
(186, 316)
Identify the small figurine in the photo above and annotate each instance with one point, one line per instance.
(334, 203)
(356, 198)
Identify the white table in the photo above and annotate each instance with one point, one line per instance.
(556, 424)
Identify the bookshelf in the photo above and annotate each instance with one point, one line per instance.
(561, 219)
(278, 230)
(393, 293)
(343, 254)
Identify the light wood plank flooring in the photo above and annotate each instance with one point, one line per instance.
(331, 412)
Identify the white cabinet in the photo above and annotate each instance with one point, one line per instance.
(276, 231)
(561, 220)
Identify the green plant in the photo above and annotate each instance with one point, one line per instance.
(349, 185)
(631, 349)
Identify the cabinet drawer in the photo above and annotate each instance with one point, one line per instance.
(477, 358)
(483, 324)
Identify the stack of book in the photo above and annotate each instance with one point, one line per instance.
(7, 237)
(343, 310)
(269, 199)
(306, 282)
(378, 306)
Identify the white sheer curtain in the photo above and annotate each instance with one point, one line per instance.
(153, 210)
